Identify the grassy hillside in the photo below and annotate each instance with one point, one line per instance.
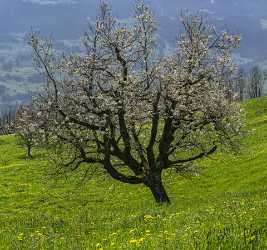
(223, 208)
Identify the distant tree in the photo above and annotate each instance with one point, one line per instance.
(240, 86)
(7, 117)
(256, 82)
(120, 108)
(25, 128)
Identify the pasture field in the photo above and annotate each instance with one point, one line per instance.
(225, 207)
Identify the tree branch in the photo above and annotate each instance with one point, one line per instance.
(190, 159)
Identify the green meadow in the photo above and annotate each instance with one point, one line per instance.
(225, 207)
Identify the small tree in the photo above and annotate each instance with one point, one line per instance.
(7, 117)
(241, 84)
(26, 128)
(256, 81)
(120, 107)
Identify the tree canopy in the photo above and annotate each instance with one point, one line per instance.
(122, 107)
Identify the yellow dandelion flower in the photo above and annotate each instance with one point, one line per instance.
(133, 241)
(99, 246)
(141, 240)
(149, 217)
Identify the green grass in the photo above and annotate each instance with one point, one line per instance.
(223, 208)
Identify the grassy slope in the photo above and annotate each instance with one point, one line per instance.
(225, 207)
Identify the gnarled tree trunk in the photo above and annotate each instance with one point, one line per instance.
(154, 183)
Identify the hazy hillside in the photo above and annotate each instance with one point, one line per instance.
(67, 20)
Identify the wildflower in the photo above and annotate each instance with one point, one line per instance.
(133, 241)
(138, 242)
(141, 240)
(99, 246)
(149, 217)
